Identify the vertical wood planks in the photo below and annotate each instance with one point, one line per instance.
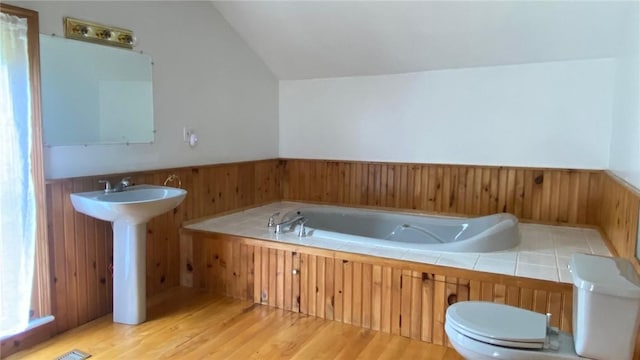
(288, 281)
(257, 274)
(548, 195)
(376, 297)
(371, 295)
(295, 288)
(618, 217)
(81, 261)
(338, 289)
(396, 300)
(70, 250)
(303, 277)
(320, 287)
(312, 289)
(439, 289)
(56, 231)
(356, 294)
(347, 291)
(405, 303)
(272, 276)
(329, 289)
(81, 247)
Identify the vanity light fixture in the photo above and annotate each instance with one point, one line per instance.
(97, 33)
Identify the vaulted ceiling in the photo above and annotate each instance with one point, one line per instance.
(318, 39)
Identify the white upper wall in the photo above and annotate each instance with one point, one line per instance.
(320, 39)
(205, 77)
(547, 114)
(625, 138)
(530, 83)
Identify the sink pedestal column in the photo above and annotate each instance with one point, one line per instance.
(129, 273)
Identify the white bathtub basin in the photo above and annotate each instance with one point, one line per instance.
(482, 234)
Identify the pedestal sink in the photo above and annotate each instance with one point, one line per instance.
(129, 211)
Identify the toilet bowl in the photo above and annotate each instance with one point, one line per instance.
(606, 311)
(484, 330)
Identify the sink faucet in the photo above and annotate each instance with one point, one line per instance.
(122, 185)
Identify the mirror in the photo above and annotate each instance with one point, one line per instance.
(94, 94)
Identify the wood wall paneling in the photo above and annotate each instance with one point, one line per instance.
(80, 247)
(618, 217)
(390, 296)
(544, 195)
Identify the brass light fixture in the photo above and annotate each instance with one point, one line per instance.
(97, 33)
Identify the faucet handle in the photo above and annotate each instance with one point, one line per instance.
(272, 219)
(107, 185)
(302, 232)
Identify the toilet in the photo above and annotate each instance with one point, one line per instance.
(606, 305)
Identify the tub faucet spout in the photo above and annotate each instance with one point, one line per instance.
(291, 223)
(272, 219)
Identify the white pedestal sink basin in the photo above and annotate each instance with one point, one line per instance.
(129, 211)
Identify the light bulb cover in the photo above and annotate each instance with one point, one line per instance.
(97, 33)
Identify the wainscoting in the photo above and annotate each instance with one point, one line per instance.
(556, 196)
(618, 221)
(550, 196)
(396, 297)
(81, 247)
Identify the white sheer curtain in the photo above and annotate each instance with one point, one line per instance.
(17, 201)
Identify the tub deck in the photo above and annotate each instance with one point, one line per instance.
(379, 288)
(542, 254)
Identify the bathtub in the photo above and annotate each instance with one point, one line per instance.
(481, 234)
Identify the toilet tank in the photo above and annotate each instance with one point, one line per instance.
(606, 305)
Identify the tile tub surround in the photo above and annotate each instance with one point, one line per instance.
(542, 254)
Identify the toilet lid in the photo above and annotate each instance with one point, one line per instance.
(498, 324)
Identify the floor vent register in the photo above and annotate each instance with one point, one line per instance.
(74, 355)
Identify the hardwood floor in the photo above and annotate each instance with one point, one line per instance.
(185, 323)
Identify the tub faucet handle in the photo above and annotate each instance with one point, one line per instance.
(272, 219)
(302, 232)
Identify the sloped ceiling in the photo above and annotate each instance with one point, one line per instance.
(318, 39)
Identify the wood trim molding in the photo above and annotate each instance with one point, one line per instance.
(43, 277)
(41, 293)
